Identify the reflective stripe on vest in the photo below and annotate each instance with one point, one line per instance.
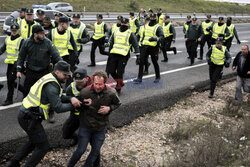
(121, 42)
(99, 31)
(77, 34)
(33, 99)
(24, 28)
(218, 55)
(141, 31)
(150, 31)
(166, 30)
(217, 30)
(61, 42)
(133, 27)
(75, 93)
(161, 20)
(12, 49)
(114, 28)
(205, 26)
(231, 29)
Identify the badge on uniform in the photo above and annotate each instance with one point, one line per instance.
(78, 75)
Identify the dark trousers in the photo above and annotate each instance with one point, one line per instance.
(37, 141)
(70, 126)
(166, 46)
(215, 74)
(31, 78)
(206, 39)
(228, 43)
(116, 67)
(11, 77)
(153, 52)
(192, 49)
(188, 51)
(69, 59)
(86, 135)
(213, 41)
(97, 43)
(146, 61)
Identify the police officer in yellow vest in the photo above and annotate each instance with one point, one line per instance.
(115, 26)
(217, 57)
(120, 44)
(218, 30)
(160, 17)
(207, 35)
(21, 14)
(169, 38)
(185, 28)
(27, 24)
(12, 46)
(153, 34)
(233, 32)
(99, 39)
(46, 93)
(133, 23)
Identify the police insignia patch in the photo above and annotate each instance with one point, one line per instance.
(78, 75)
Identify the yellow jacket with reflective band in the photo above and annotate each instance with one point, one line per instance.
(121, 42)
(33, 99)
(133, 27)
(114, 28)
(218, 30)
(205, 26)
(186, 26)
(140, 33)
(12, 49)
(77, 34)
(99, 31)
(24, 28)
(231, 29)
(61, 42)
(75, 92)
(217, 56)
(161, 20)
(166, 30)
(150, 31)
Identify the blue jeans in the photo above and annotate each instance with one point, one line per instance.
(86, 135)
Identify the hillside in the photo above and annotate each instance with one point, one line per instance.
(179, 6)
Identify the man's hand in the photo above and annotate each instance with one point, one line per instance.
(186, 39)
(227, 64)
(248, 72)
(199, 39)
(238, 42)
(173, 41)
(153, 39)
(19, 75)
(233, 68)
(104, 110)
(87, 102)
(75, 102)
(209, 62)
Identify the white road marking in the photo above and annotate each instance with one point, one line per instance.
(2, 79)
(100, 63)
(10, 106)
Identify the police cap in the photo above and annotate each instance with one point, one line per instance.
(153, 15)
(63, 66)
(37, 29)
(40, 12)
(14, 27)
(58, 14)
(221, 18)
(29, 11)
(219, 40)
(131, 13)
(209, 16)
(189, 17)
(194, 18)
(125, 21)
(147, 18)
(229, 18)
(63, 19)
(80, 74)
(22, 10)
(159, 9)
(99, 16)
(167, 17)
(47, 19)
(150, 10)
(76, 15)
(119, 18)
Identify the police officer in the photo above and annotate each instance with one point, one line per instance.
(153, 33)
(218, 30)
(133, 22)
(47, 25)
(44, 94)
(115, 26)
(217, 57)
(120, 44)
(100, 28)
(160, 17)
(40, 16)
(194, 34)
(169, 38)
(38, 51)
(141, 16)
(57, 17)
(27, 24)
(12, 46)
(207, 35)
(21, 14)
(233, 32)
(185, 28)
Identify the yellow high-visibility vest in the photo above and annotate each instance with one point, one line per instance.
(24, 28)
(166, 30)
(186, 26)
(161, 20)
(99, 31)
(140, 33)
(77, 34)
(150, 31)
(33, 99)
(205, 26)
(121, 42)
(133, 27)
(12, 49)
(61, 42)
(75, 92)
(217, 56)
(114, 28)
(217, 30)
(231, 29)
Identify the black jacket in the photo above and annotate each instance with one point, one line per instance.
(246, 66)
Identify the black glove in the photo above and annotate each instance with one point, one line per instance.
(92, 39)
(226, 64)
(207, 29)
(152, 39)
(106, 44)
(79, 40)
(106, 40)
(77, 60)
(238, 42)
(209, 62)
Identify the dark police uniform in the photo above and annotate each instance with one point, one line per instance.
(45, 93)
(38, 56)
(185, 28)
(12, 46)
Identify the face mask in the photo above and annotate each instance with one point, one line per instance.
(220, 24)
(229, 22)
(123, 28)
(152, 22)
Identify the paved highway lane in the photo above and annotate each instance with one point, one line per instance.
(176, 74)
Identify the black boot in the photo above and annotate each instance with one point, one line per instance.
(212, 88)
(175, 51)
(51, 116)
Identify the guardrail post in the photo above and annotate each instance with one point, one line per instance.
(181, 14)
(108, 14)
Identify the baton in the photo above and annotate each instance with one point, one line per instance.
(17, 87)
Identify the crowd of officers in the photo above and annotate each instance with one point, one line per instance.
(47, 54)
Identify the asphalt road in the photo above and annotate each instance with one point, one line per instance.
(176, 76)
